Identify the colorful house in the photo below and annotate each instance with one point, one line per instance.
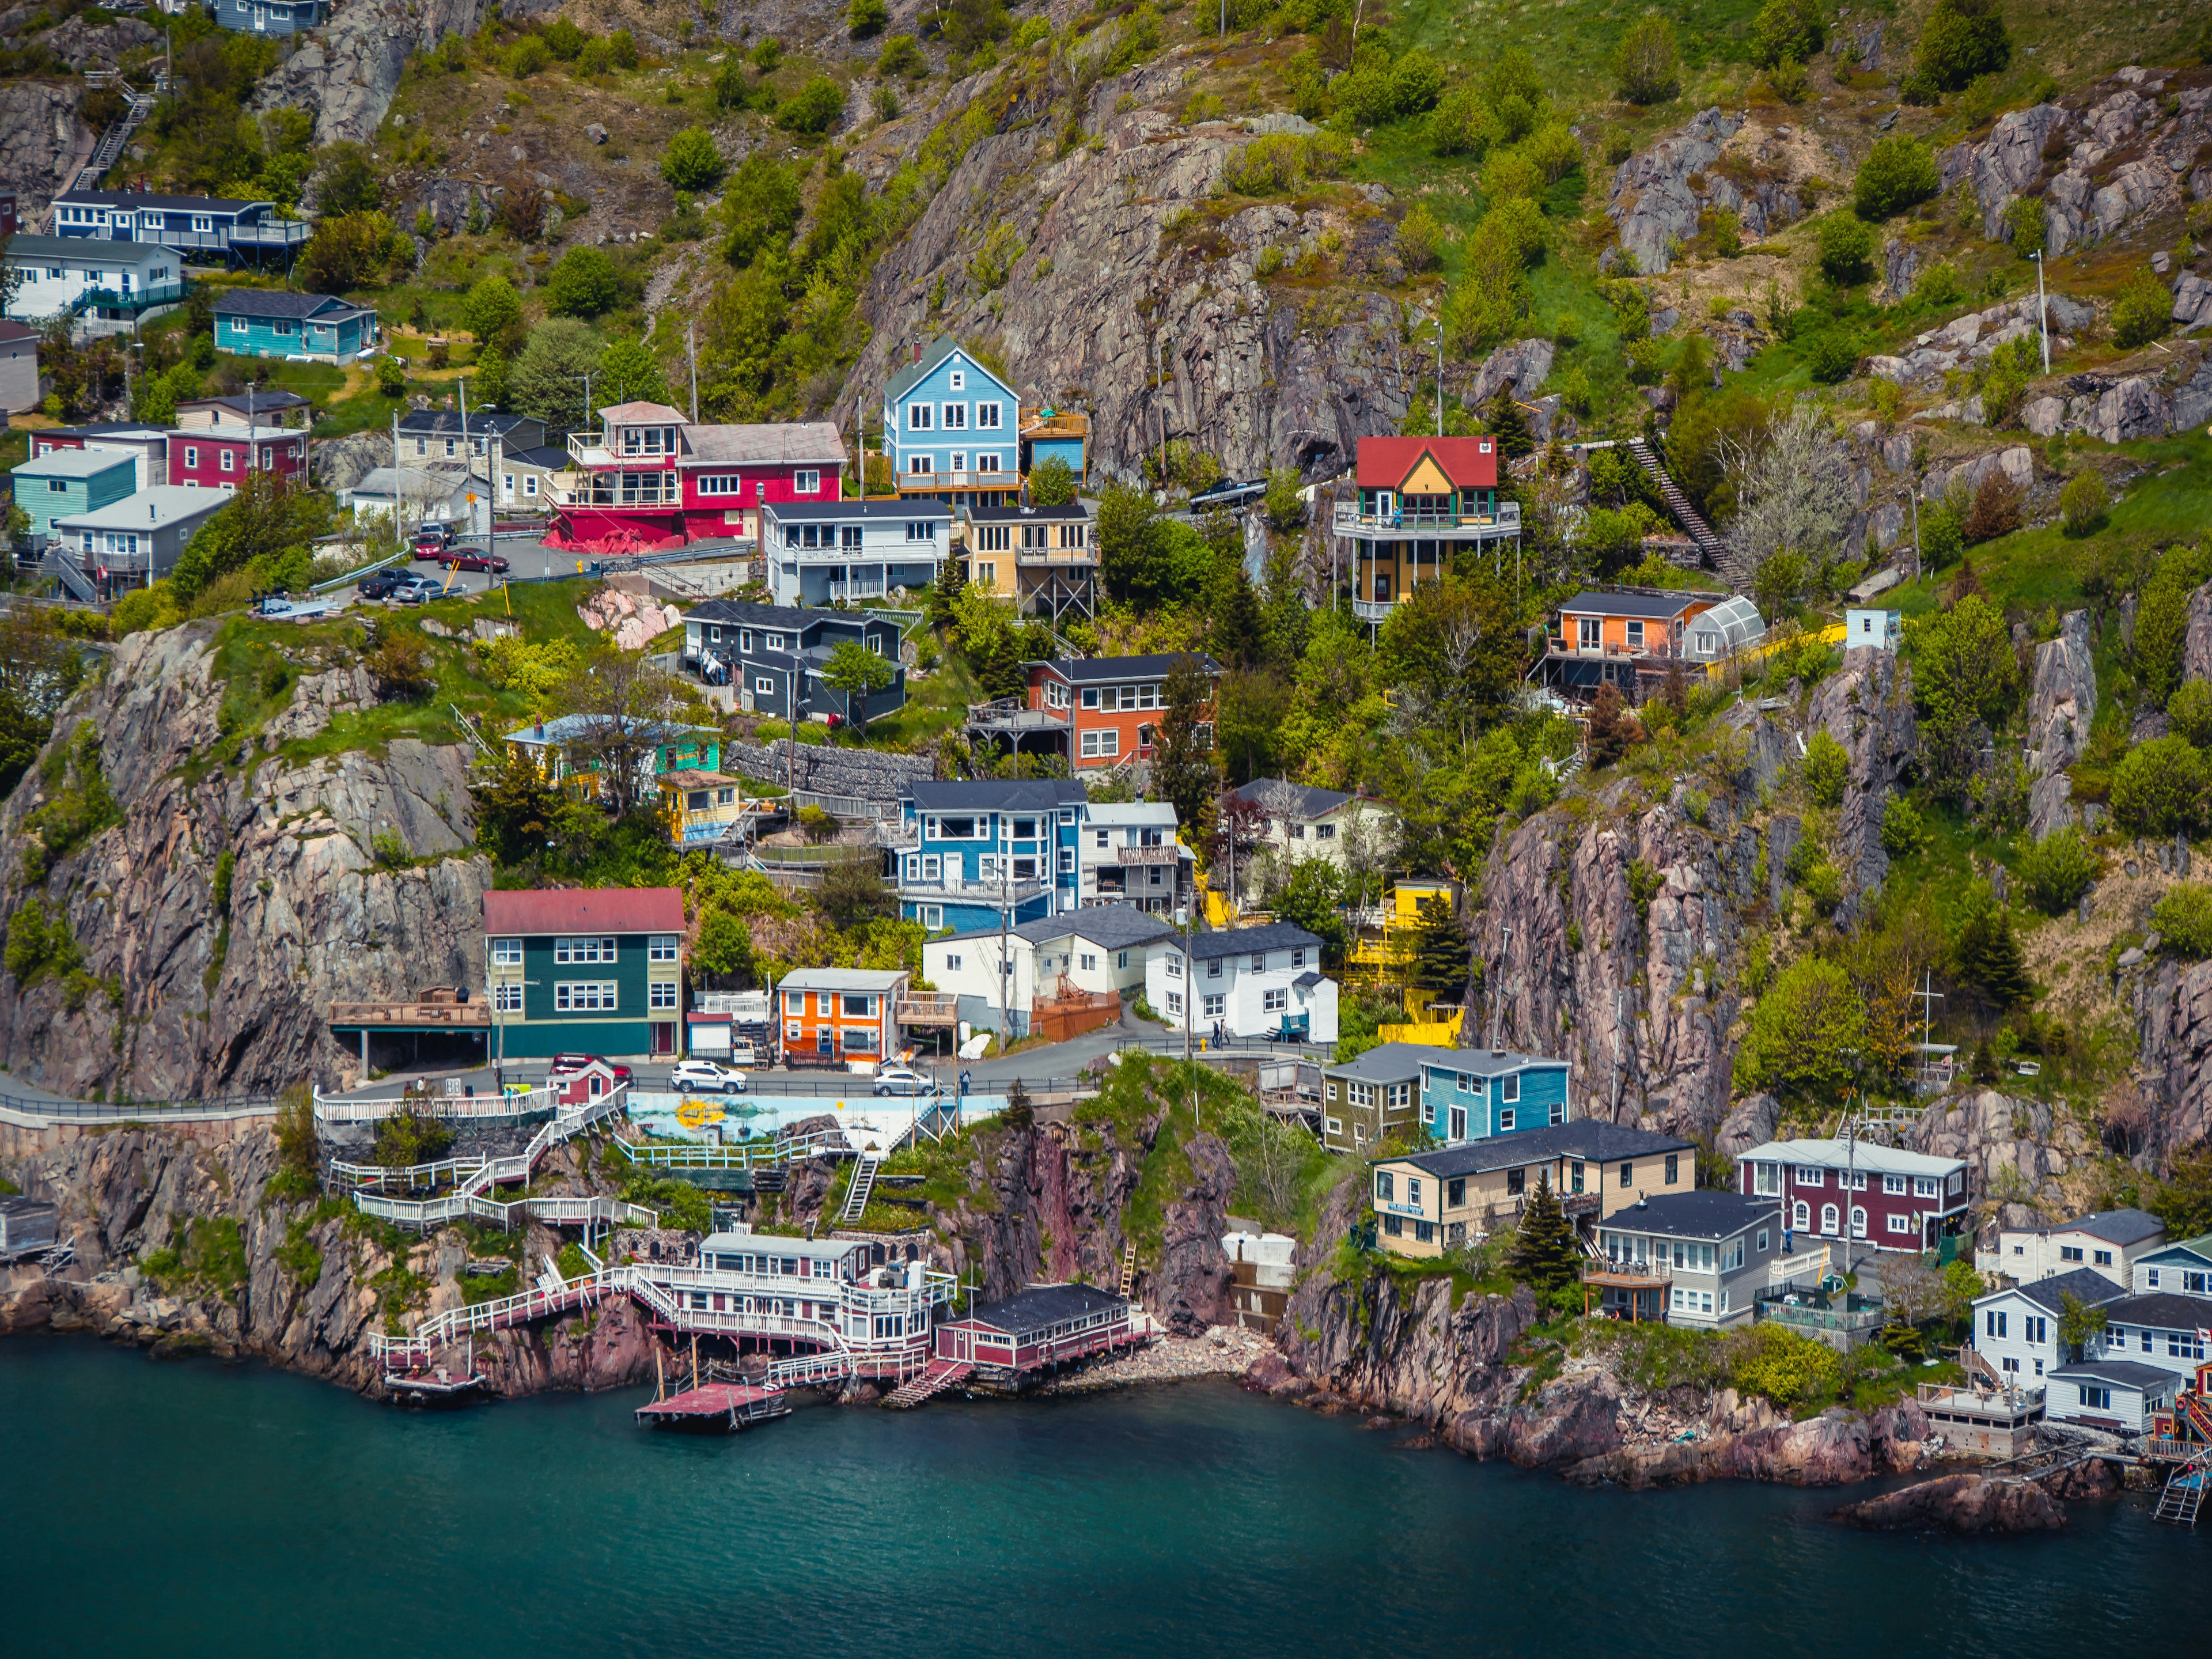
(950, 429)
(649, 477)
(1055, 435)
(109, 282)
(1882, 1196)
(310, 327)
(1595, 1166)
(218, 457)
(265, 405)
(1370, 1097)
(546, 745)
(202, 225)
(975, 854)
(1098, 953)
(138, 538)
(1421, 501)
(775, 656)
(1249, 982)
(269, 16)
(1699, 1259)
(66, 484)
(595, 969)
(847, 552)
(832, 1015)
(1634, 637)
(1127, 852)
(1471, 1094)
(1043, 559)
(2184, 1268)
(149, 445)
(2108, 1242)
(1096, 712)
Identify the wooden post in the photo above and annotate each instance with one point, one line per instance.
(659, 1378)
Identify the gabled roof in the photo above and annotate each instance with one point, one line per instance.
(1097, 670)
(1386, 463)
(11, 331)
(1650, 607)
(430, 485)
(745, 614)
(264, 399)
(126, 199)
(265, 302)
(1126, 814)
(1594, 1139)
(447, 422)
(2121, 1227)
(2159, 1310)
(75, 462)
(2088, 1288)
(1714, 1213)
(1307, 801)
(767, 444)
(642, 414)
(25, 249)
(1836, 1155)
(1240, 941)
(1388, 1062)
(545, 456)
(815, 511)
(2198, 1249)
(994, 795)
(933, 354)
(585, 910)
(1042, 1306)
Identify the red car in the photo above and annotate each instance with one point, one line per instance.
(568, 1064)
(467, 558)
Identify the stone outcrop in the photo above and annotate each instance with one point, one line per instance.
(83, 44)
(1517, 370)
(2061, 707)
(2016, 1145)
(1748, 1440)
(346, 72)
(194, 1002)
(1653, 204)
(1963, 1504)
(2173, 1037)
(2192, 300)
(1867, 707)
(43, 142)
(2197, 640)
(342, 462)
(2151, 404)
(1967, 342)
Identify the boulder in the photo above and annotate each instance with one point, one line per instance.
(1517, 369)
(2192, 300)
(1652, 204)
(1964, 1504)
(1752, 1121)
(2135, 407)
(2064, 701)
(2010, 159)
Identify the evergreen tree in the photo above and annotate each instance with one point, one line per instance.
(1508, 425)
(1019, 1113)
(1438, 959)
(1544, 1251)
(1238, 636)
(1182, 757)
(1990, 957)
(951, 582)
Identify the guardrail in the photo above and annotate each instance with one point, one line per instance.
(523, 1102)
(95, 1111)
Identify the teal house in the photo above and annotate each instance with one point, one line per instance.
(588, 970)
(312, 327)
(1473, 1094)
(545, 745)
(65, 483)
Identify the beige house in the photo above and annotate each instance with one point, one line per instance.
(1427, 1203)
(1304, 821)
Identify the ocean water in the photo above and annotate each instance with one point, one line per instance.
(189, 1508)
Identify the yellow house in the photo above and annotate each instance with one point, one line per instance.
(703, 806)
(1427, 1203)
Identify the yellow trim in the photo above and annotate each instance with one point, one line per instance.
(1426, 478)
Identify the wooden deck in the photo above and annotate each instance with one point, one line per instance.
(726, 1405)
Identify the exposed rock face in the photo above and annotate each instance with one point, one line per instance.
(2060, 709)
(1964, 341)
(1752, 1121)
(347, 71)
(2192, 300)
(1750, 1441)
(312, 916)
(1250, 374)
(1867, 707)
(2196, 642)
(1963, 1504)
(1517, 369)
(2148, 405)
(2173, 1032)
(1653, 204)
(43, 142)
(2013, 1143)
(83, 44)
(342, 463)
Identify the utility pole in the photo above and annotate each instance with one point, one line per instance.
(2042, 317)
(692, 351)
(1440, 370)
(467, 452)
(396, 532)
(1913, 495)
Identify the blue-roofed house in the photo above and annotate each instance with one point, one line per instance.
(951, 429)
(971, 854)
(1471, 1094)
(270, 16)
(261, 323)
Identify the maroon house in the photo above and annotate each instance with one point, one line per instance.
(1871, 1195)
(1035, 1329)
(218, 457)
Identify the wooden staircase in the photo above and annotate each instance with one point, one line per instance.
(941, 1375)
(863, 1183)
(2182, 1495)
(137, 106)
(1717, 550)
(1129, 1269)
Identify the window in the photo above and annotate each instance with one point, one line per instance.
(1899, 1224)
(583, 950)
(1174, 965)
(1386, 1187)
(860, 1007)
(1575, 1175)
(1297, 958)
(987, 417)
(1275, 1002)
(1506, 1121)
(2070, 1253)
(957, 379)
(1175, 1002)
(920, 530)
(1801, 1216)
(2034, 1330)
(1333, 1126)
(1215, 1007)
(921, 463)
(584, 996)
(661, 994)
(1516, 1183)
(1672, 1160)
(1087, 962)
(1923, 1186)
(1761, 1245)
(1324, 832)
(507, 999)
(1628, 1175)
(1894, 1185)
(191, 455)
(1455, 1193)
(1809, 1177)
(1099, 745)
(2150, 1279)
(2096, 1399)
(1259, 962)
(1828, 1219)
(229, 456)
(661, 948)
(806, 483)
(1391, 1223)
(763, 685)
(1993, 1322)
(956, 417)
(1512, 1086)
(1858, 1221)
(2103, 1258)
(1456, 1116)
(507, 953)
(1398, 1096)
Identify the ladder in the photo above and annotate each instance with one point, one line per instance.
(2184, 1492)
(1723, 555)
(1128, 1267)
(941, 1375)
(863, 1182)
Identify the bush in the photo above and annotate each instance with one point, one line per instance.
(691, 161)
(1787, 81)
(1460, 124)
(564, 40)
(1898, 173)
(867, 18)
(583, 283)
(2183, 918)
(2158, 787)
(1419, 240)
(526, 56)
(1785, 1367)
(2027, 225)
(1846, 247)
(2142, 311)
(1996, 508)
(813, 109)
(1832, 356)
(1787, 31)
(1827, 769)
(1645, 66)
(2189, 712)
(901, 55)
(1512, 175)
(391, 376)
(2082, 504)
(1961, 39)
(1902, 829)
(2057, 869)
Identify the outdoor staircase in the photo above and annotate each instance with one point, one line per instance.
(863, 1183)
(139, 106)
(1716, 549)
(941, 1375)
(1129, 1269)
(2182, 1495)
(58, 564)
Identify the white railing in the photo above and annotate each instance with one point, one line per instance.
(516, 1104)
(1807, 1268)
(1505, 520)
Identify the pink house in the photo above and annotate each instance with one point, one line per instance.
(649, 478)
(218, 457)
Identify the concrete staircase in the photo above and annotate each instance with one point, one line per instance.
(1717, 550)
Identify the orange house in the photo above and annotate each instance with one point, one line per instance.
(832, 1015)
(1618, 635)
(1097, 711)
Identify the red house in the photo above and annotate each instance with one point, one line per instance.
(1877, 1195)
(1033, 1331)
(1098, 711)
(649, 478)
(218, 457)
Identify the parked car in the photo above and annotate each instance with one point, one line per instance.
(414, 590)
(705, 1077)
(469, 558)
(902, 1080)
(569, 1065)
(379, 583)
(433, 539)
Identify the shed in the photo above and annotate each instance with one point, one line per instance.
(1733, 625)
(1880, 628)
(1041, 1326)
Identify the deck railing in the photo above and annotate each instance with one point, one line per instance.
(1505, 519)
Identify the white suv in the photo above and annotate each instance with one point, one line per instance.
(704, 1077)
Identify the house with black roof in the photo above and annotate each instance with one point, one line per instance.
(2017, 1329)
(1597, 1168)
(1244, 984)
(1306, 821)
(1037, 1330)
(1043, 559)
(1699, 1259)
(774, 656)
(254, 322)
(256, 406)
(1001, 975)
(981, 852)
(1096, 712)
(209, 227)
(2124, 1359)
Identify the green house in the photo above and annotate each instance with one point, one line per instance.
(262, 323)
(676, 748)
(585, 970)
(65, 483)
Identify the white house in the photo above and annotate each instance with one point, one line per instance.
(2109, 1243)
(1248, 982)
(2182, 1269)
(2164, 1330)
(1127, 853)
(1883, 630)
(1306, 822)
(436, 496)
(825, 552)
(115, 281)
(2115, 1395)
(1098, 951)
(2016, 1329)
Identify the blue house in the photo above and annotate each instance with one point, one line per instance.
(260, 323)
(773, 654)
(217, 225)
(269, 16)
(64, 483)
(951, 429)
(968, 855)
(1473, 1094)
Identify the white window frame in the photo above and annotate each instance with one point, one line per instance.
(506, 952)
(662, 993)
(663, 947)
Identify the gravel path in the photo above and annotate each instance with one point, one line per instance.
(1221, 1352)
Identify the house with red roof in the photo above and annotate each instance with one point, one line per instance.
(597, 970)
(1421, 503)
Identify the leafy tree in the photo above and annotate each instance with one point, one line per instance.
(526, 56)
(267, 517)
(1827, 769)
(1460, 124)
(1144, 559)
(1902, 830)
(2183, 1201)
(1250, 711)
(859, 673)
(1996, 508)
(901, 56)
(2082, 504)
(628, 373)
(400, 668)
(724, 948)
(2057, 869)
(867, 18)
(2078, 1323)
(1805, 1032)
(1646, 66)
(518, 813)
(1310, 897)
(761, 208)
(40, 669)
(492, 312)
(547, 380)
(1898, 173)
(2189, 713)
(1787, 31)
(1491, 297)
(582, 285)
(1182, 762)
(622, 709)
(1846, 244)
(1237, 635)
(691, 161)
(945, 593)
(1964, 674)
(1961, 41)
(352, 251)
(2142, 310)
(2162, 617)
(813, 109)
(1052, 483)
(2158, 787)
(1544, 1254)
(564, 40)
(348, 181)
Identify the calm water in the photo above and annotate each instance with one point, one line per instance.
(192, 1509)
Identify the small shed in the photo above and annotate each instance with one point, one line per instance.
(28, 1226)
(587, 1083)
(1880, 628)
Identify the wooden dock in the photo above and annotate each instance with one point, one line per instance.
(725, 1405)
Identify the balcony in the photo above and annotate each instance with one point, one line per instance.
(1075, 558)
(920, 483)
(589, 449)
(1171, 853)
(927, 1008)
(134, 298)
(1627, 1275)
(862, 587)
(1504, 521)
(1850, 1316)
(973, 891)
(418, 1015)
(1012, 714)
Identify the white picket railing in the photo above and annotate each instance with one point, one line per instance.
(522, 1102)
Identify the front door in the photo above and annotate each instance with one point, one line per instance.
(822, 1040)
(663, 1039)
(1587, 633)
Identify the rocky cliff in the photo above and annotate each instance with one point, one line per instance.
(43, 142)
(150, 806)
(345, 73)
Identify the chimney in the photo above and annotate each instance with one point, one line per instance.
(917, 351)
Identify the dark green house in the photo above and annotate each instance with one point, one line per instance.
(594, 970)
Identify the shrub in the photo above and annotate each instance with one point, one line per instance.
(901, 55)
(1831, 356)
(867, 18)
(1847, 245)
(1419, 240)
(1509, 174)
(2158, 787)
(526, 56)
(391, 376)
(1996, 508)
(2189, 712)
(1417, 80)
(564, 40)
(1727, 234)
(1961, 39)
(1052, 483)
(1785, 1367)
(1902, 829)
(1460, 124)
(2142, 311)
(1787, 81)
(2004, 387)
(2183, 918)
(692, 162)
(2025, 226)
(1646, 66)
(1787, 31)
(582, 285)
(1827, 769)
(2082, 504)
(813, 109)
(1898, 173)
(2057, 869)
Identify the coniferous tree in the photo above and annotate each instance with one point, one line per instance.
(1019, 1112)
(1438, 961)
(951, 581)
(1989, 955)
(1508, 425)
(1237, 638)
(1544, 1251)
